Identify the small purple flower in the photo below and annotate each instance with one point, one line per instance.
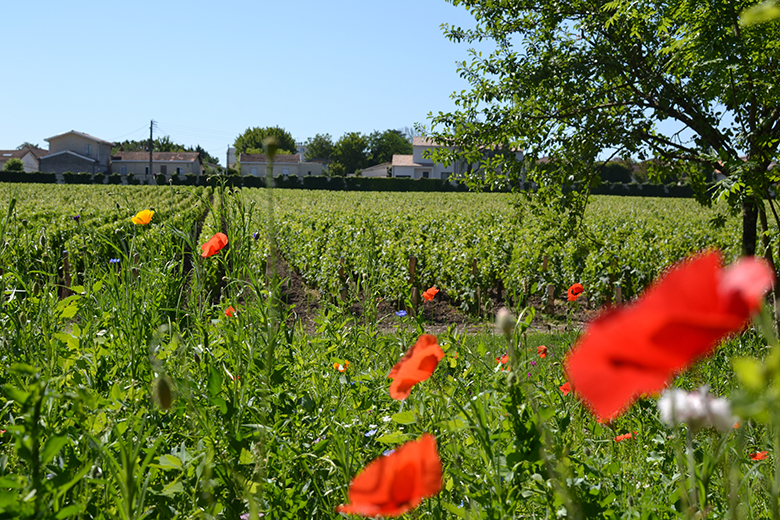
(114, 261)
(370, 433)
(400, 313)
(387, 453)
(529, 374)
(76, 217)
(533, 363)
(255, 235)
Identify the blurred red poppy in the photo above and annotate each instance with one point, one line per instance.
(415, 366)
(214, 245)
(565, 388)
(429, 294)
(542, 351)
(575, 291)
(394, 484)
(759, 455)
(636, 350)
(230, 312)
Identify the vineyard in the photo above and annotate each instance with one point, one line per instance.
(144, 375)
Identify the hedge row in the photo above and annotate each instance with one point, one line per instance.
(331, 183)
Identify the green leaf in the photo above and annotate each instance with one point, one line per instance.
(68, 511)
(169, 462)
(393, 438)
(215, 382)
(246, 457)
(20, 396)
(764, 12)
(172, 489)
(52, 447)
(406, 417)
(750, 373)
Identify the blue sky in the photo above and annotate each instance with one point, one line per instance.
(206, 71)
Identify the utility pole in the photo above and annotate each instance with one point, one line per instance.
(227, 160)
(151, 146)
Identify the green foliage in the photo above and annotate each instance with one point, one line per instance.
(252, 138)
(319, 147)
(350, 153)
(573, 81)
(383, 145)
(13, 165)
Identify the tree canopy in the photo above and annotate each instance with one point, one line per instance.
(681, 81)
(252, 139)
(319, 147)
(350, 153)
(383, 145)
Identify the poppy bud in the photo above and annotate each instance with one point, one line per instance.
(505, 321)
(163, 392)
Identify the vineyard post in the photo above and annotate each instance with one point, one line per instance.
(343, 280)
(618, 295)
(134, 270)
(550, 308)
(65, 288)
(479, 295)
(413, 281)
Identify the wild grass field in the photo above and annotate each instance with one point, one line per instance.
(144, 376)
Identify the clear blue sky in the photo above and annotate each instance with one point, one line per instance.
(205, 71)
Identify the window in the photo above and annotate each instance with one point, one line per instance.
(178, 170)
(253, 171)
(426, 174)
(446, 175)
(285, 171)
(89, 149)
(123, 170)
(164, 169)
(146, 170)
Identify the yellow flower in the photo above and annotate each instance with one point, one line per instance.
(143, 217)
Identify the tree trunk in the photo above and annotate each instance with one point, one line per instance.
(749, 221)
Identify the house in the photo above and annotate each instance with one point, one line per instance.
(76, 152)
(417, 166)
(379, 170)
(29, 155)
(165, 163)
(257, 164)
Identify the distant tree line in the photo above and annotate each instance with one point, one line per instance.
(351, 153)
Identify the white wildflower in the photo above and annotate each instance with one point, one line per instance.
(698, 409)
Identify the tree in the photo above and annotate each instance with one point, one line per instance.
(319, 147)
(350, 152)
(253, 138)
(13, 165)
(27, 145)
(571, 80)
(383, 145)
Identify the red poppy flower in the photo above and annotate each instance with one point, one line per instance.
(214, 245)
(429, 294)
(416, 366)
(230, 312)
(565, 388)
(542, 351)
(636, 350)
(759, 455)
(394, 484)
(503, 360)
(625, 437)
(575, 291)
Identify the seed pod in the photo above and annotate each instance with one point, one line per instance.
(163, 392)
